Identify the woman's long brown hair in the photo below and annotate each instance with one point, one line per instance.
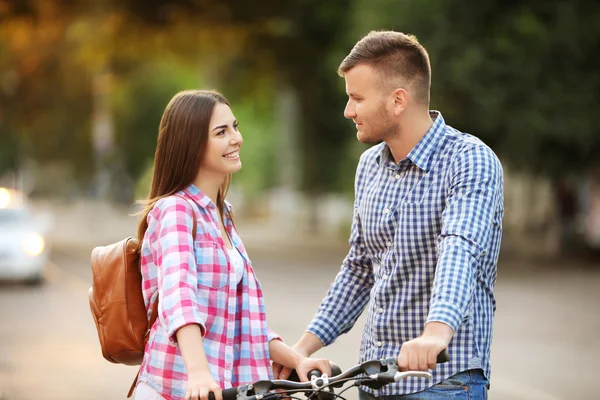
(180, 148)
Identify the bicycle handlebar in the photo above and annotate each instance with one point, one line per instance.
(377, 373)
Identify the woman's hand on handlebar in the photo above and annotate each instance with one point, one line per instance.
(282, 372)
(295, 358)
(306, 364)
(200, 384)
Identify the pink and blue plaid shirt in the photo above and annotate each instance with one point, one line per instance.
(196, 284)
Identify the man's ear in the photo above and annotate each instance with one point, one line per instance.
(400, 98)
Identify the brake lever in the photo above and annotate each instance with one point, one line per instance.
(380, 373)
(398, 376)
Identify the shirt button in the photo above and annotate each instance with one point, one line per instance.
(380, 310)
(397, 177)
(379, 344)
(386, 211)
(389, 244)
(384, 276)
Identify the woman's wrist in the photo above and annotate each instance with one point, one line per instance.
(198, 369)
(285, 355)
(297, 358)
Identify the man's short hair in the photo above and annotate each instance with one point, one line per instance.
(399, 58)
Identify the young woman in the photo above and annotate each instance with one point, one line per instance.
(211, 332)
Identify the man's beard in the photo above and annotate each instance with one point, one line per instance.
(386, 129)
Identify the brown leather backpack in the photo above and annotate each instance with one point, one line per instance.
(117, 302)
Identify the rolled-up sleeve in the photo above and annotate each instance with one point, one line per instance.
(474, 199)
(272, 335)
(173, 252)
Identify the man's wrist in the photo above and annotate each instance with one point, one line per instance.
(308, 344)
(439, 330)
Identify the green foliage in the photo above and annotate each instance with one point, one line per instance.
(521, 75)
(260, 145)
(138, 102)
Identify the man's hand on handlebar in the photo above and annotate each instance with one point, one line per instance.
(421, 354)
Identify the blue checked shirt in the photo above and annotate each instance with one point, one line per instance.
(424, 247)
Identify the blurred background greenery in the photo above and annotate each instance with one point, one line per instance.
(83, 85)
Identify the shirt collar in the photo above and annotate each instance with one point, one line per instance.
(422, 154)
(200, 198)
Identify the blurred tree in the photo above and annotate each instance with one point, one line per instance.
(293, 41)
(43, 94)
(300, 39)
(290, 43)
(138, 103)
(522, 75)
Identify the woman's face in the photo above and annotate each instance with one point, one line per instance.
(224, 142)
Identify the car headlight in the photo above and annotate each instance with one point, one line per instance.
(33, 244)
(4, 197)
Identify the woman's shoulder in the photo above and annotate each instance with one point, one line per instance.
(172, 206)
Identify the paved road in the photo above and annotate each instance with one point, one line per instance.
(545, 339)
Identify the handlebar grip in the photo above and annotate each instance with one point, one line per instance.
(314, 373)
(335, 370)
(228, 394)
(443, 357)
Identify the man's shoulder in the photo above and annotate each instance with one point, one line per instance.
(463, 144)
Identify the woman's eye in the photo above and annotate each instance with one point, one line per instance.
(221, 133)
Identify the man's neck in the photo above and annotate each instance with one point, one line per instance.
(412, 129)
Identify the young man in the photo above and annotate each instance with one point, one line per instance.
(426, 232)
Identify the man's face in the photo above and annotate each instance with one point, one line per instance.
(368, 105)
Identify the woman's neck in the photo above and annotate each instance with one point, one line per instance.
(209, 184)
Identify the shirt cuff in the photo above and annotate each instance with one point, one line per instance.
(181, 320)
(271, 335)
(323, 329)
(445, 312)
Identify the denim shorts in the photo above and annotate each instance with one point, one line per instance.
(467, 385)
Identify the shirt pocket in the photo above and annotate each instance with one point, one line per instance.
(211, 264)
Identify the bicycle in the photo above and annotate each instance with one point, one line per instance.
(373, 374)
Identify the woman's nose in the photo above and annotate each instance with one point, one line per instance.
(236, 138)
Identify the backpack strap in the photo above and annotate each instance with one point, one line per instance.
(154, 314)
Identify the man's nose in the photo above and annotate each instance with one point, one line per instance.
(349, 111)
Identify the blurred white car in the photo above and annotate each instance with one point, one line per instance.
(23, 248)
